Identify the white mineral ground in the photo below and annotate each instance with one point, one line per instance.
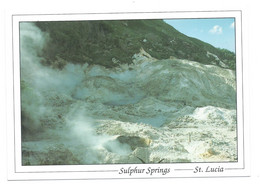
(168, 110)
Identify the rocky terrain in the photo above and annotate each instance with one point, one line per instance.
(145, 110)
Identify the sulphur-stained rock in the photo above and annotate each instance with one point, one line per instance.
(134, 141)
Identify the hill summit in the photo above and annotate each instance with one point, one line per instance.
(113, 42)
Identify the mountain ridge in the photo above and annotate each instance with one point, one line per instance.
(101, 42)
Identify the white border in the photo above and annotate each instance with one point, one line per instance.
(18, 172)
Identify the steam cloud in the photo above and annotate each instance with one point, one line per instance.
(49, 112)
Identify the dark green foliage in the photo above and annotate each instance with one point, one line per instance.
(97, 42)
(228, 57)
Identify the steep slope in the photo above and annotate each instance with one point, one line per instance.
(109, 43)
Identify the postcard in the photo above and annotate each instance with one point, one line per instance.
(127, 96)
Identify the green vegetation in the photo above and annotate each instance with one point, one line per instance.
(98, 42)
